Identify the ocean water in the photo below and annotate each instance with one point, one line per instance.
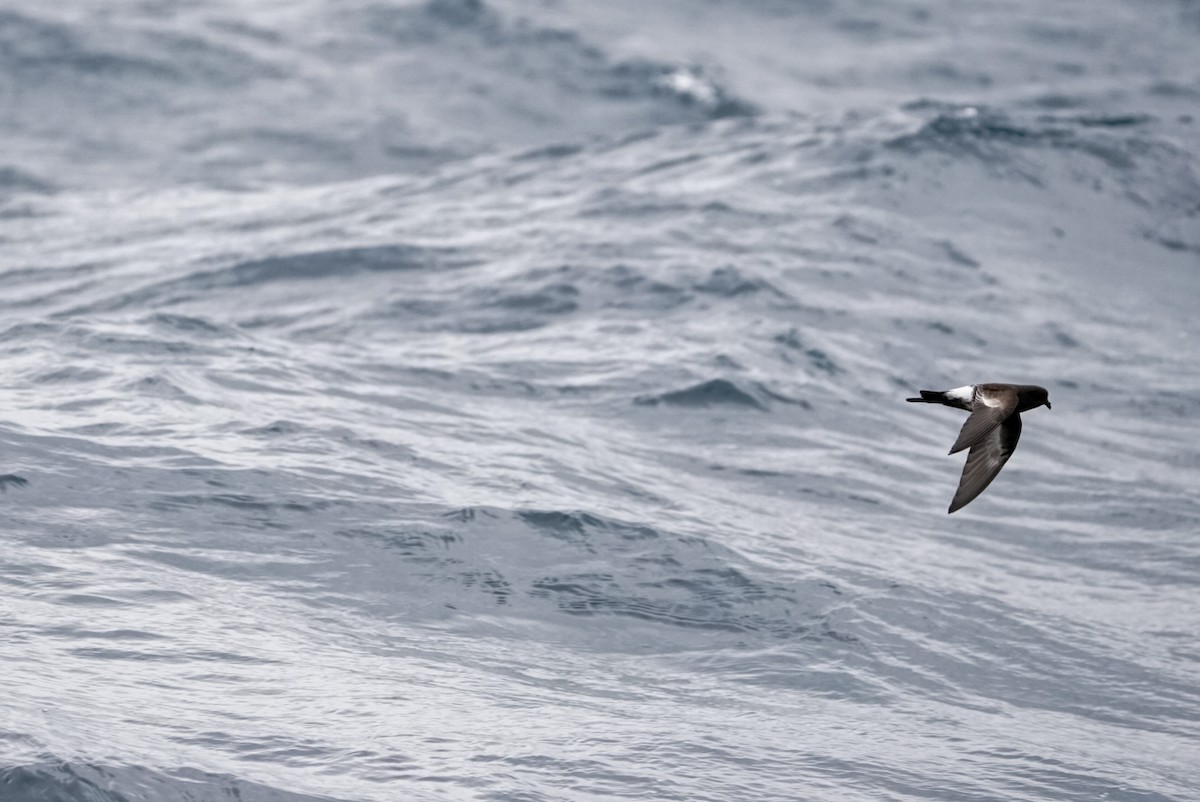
(504, 400)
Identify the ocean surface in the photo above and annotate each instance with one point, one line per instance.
(503, 400)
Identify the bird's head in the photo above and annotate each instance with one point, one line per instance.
(1030, 396)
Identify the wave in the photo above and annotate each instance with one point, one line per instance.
(70, 781)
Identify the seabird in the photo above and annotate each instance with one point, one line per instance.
(991, 431)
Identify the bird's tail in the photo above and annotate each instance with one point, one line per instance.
(930, 397)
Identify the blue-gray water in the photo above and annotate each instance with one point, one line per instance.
(504, 400)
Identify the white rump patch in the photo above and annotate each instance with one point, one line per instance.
(962, 394)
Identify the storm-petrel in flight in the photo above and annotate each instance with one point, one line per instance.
(991, 431)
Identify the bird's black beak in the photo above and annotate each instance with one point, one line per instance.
(1048, 404)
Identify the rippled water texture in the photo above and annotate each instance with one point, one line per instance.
(498, 400)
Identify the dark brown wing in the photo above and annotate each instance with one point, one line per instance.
(990, 408)
(986, 459)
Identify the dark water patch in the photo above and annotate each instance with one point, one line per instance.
(1174, 89)
(285, 436)
(25, 574)
(1113, 120)
(667, 164)
(99, 653)
(997, 139)
(53, 780)
(160, 387)
(860, 27)
(649, 574)
(88, 600)
(630, 288)
(821, 361)
(173, 656)
(466, 381)
(957, 256)
(549, 153)
(642, 208)
(986, 133)
(76, 273)
(953, 74)
(862, 230)
(279, 428)
(923, 324)
(213, 63)
(11, 480)
(235, 501)
(410, 308)
(338, 264)
(458, 13)
(130, 342)
(330, 264)
(729, 282)
(516, 303)
(574, 525)
(15, 210)
(107, 51)
(420, 543)
(71, 633)
(712, 393)
(244, 29)
(36, 49)
(1061, 34)
(279, 750)
(822, 181)
(1056, 101)
(775, 395)
(1062, 337)
(967, 130)
(553, 299)
(1171, 243)
(813, 357)
(155, 596)
(465, 514)
(717, 598)
(14, 180)
(70, 375)
(192, 325)
(258, 379)
(490, 582)
(280, 143)
(484, 324)
(432, 20)
(450, 561)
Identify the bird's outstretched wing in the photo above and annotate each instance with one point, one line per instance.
(990, 408)
(986, 458)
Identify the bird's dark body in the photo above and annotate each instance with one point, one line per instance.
(991, 432)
